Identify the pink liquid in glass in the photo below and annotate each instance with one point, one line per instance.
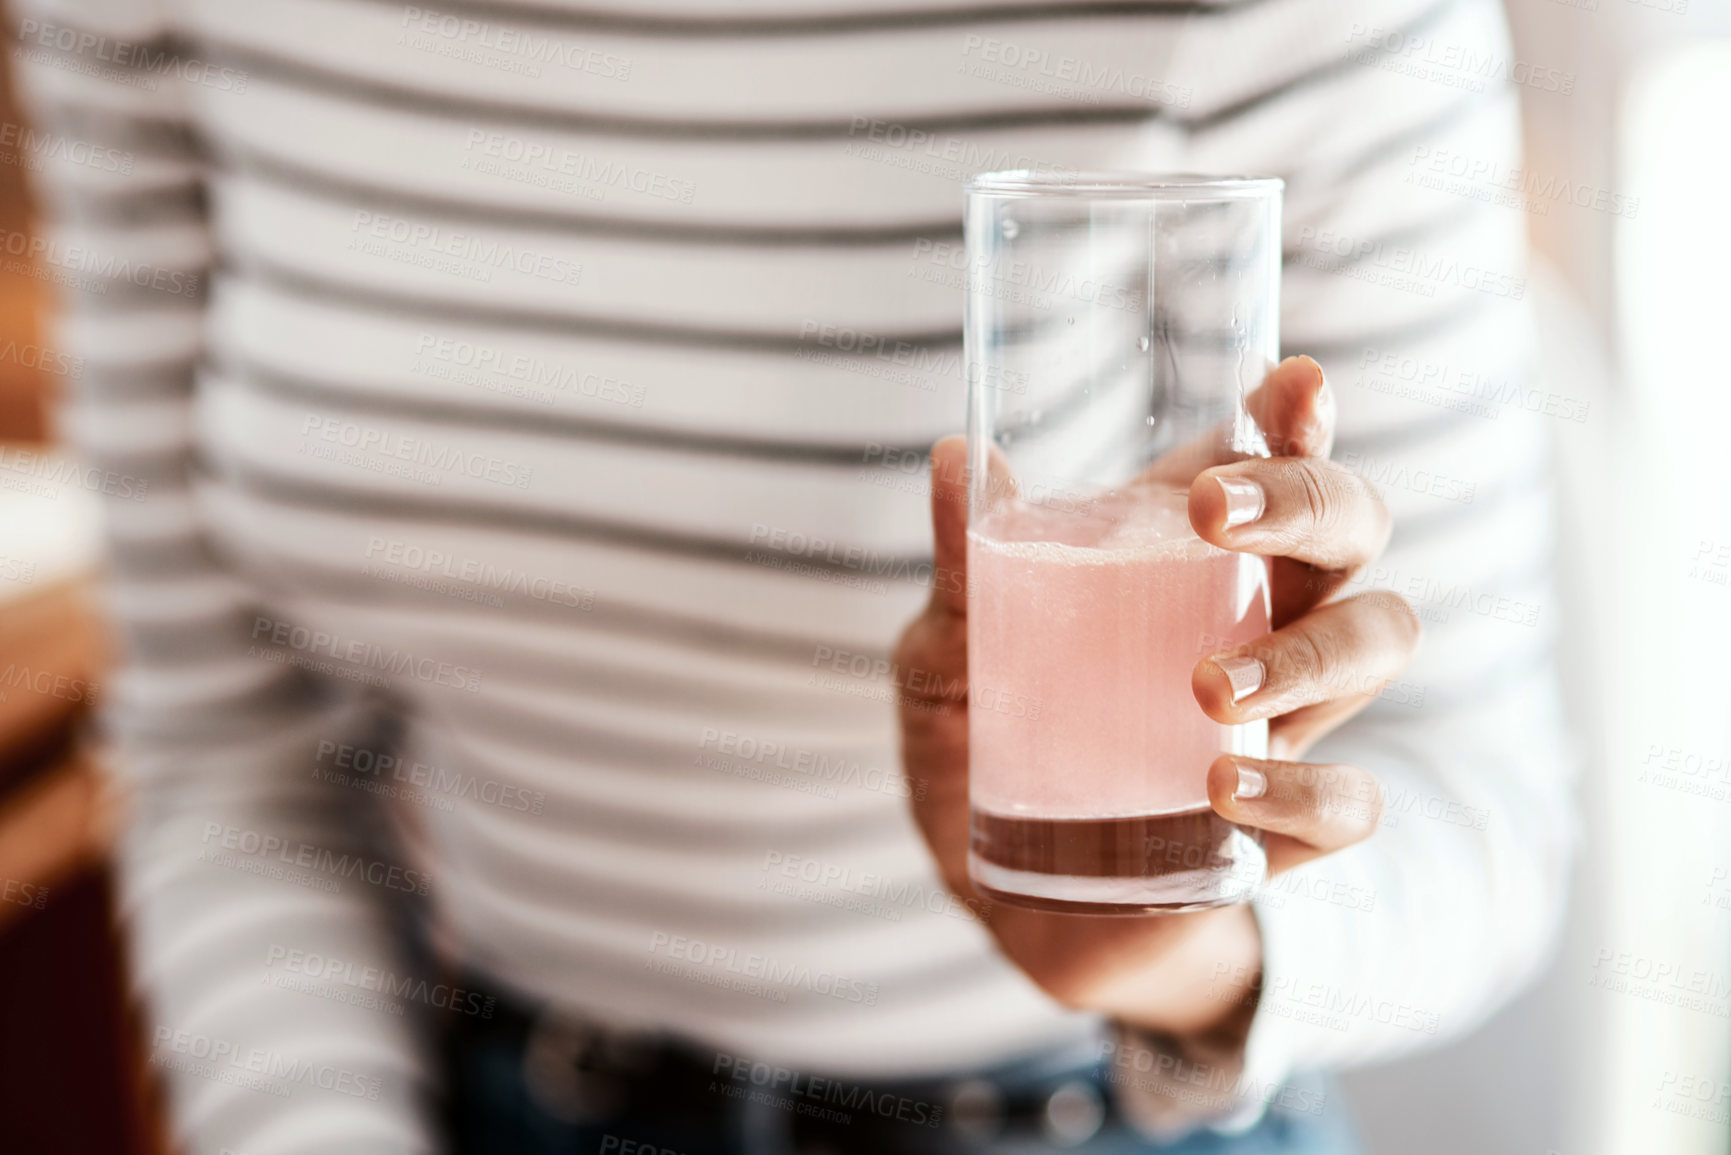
(1089, 754)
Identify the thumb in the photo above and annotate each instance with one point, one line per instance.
(1294, 407)
(950, 526)
(950, 479)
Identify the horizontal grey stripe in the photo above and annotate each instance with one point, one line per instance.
(931, 984)
(684, 24)
(619, 898)
(143, 135)
(1394, 43)
(293, 71)
(1340, 176)
(290, 575)
(1432, 428)
(239, 158)
(304, 180)
(188, 642)
(175, 555)
(444, 508)
(329, 289)
(290, 386)
(131, 208)
(1458, 215)
(1462, 313)
(281, 701)
(161, 381)
(107, 296)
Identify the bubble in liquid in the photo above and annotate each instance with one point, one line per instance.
(1010, 228)
(1142, 344)
(1069, 320)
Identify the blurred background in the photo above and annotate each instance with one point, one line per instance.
(1621, 1048)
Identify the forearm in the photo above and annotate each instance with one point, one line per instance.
(253, 942)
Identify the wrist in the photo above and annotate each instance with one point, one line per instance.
(1178, 1064)
(1205, 989)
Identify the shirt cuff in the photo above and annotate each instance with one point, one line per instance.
(1167, 1087)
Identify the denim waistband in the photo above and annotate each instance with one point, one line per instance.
(529, 1082)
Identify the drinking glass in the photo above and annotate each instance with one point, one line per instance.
(1115, 325)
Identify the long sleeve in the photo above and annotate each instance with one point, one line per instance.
(238, 864)
(1405, 278)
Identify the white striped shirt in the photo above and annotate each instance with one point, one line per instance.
(534, 393)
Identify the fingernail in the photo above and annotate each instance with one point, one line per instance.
(1251, 783)
(1244, 500)
(1244, 672)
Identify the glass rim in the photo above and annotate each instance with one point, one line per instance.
(1120, 185)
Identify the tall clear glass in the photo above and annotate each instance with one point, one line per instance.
(1116, 325)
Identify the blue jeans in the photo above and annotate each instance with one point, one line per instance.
(702, 1104)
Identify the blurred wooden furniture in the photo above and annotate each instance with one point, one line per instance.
(26, 394)
(72, 1076)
